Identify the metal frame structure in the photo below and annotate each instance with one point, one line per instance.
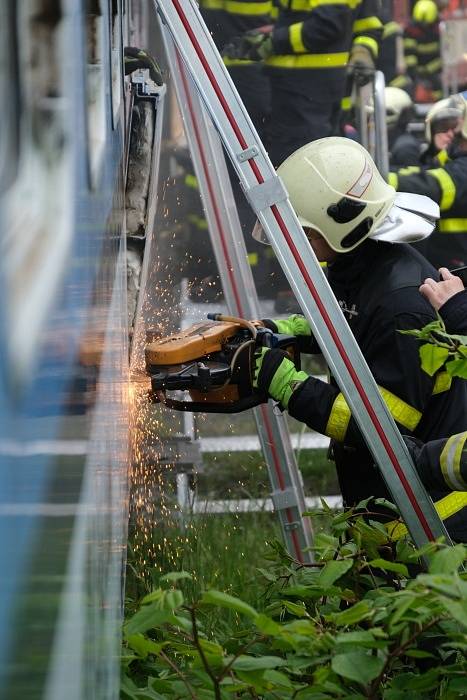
(240, 294)
(270, 202)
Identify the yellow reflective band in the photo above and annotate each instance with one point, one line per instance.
(338, 420)
(442, 157)
(453, 225)
(448, 187)
(274, 12)
(309, 5)
(400, 81)
(409, 170)
(340, 415)
(248, 8)
(402, 412)
(410, 61)
(367, 41)
(310, 60)
(391, 28)
(323, 265)
(447, 506)
(237, 62)
(410, 43)
(443, 382)
(346, 104)
(191, 181)
(362, 25)
(433, 66)
(212, 4)
(393, 180)
(295, 38)
(450, 461)
(252, 259)
(198, 221)
(428, 48)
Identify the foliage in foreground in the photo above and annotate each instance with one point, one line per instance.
(358, 623)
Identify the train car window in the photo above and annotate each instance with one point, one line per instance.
(37, 209)
(95, 88)
(9, 85)
(116, 58)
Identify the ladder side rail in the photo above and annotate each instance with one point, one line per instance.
(240, 294)
(381, 131)
(269, 200)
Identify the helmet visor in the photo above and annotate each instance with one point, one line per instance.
(259, 234)
(411, 218)
(446, 124)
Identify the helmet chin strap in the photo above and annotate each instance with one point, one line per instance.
(411, 218)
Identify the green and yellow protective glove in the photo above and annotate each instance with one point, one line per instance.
(255, 45)
(275, 375)
(135, 59)
(293, 325)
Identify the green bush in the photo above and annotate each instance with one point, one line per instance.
(365, 620)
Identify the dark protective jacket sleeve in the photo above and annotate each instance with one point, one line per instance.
(325, 25)
(441, 463)
(395, 364)
(454, 313)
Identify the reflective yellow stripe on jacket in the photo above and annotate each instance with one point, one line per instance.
(247, 8)
(309, 5)
(447, 506)
(450, 461)
(340, 415)
(453, 225)
(310, 60)
(447, 185)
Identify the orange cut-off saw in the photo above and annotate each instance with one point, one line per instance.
(214, 362)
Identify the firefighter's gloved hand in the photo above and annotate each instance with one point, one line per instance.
(275, 374)
(255, 45)
(293, 325)
(135, 58)
(361, 65)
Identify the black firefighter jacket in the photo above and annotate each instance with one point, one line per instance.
(447, 185)
(444, 462)
(377, 289)
(312, 41)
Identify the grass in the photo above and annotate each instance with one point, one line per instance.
(244, 475)
(220, 551)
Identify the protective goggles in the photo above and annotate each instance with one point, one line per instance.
(440, 126)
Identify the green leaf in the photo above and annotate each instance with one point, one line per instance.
(358, 666)
(457, 610)
(448, 560)
(457, 368)
(148, 617)
(278, 679)
(332, 571)
(172, 600)
(224, 600)
(257, 663)
(174, 576)
(432, 357)
(389, 566)
(358, 612)
(267, 625)
(144, 646)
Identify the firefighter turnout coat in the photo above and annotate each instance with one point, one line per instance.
(377, 288)
(446, 184)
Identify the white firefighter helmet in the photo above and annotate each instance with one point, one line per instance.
(336, 189)
(425, 11)
(448, 109)
(397, 101)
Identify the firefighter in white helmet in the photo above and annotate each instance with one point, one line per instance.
(445, 181)
(358, 224)
(404, 147)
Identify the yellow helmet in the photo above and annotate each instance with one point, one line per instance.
(336, 189)
(448, 108)
(425, 11)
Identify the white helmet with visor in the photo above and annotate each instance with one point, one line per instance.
(336, 190)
